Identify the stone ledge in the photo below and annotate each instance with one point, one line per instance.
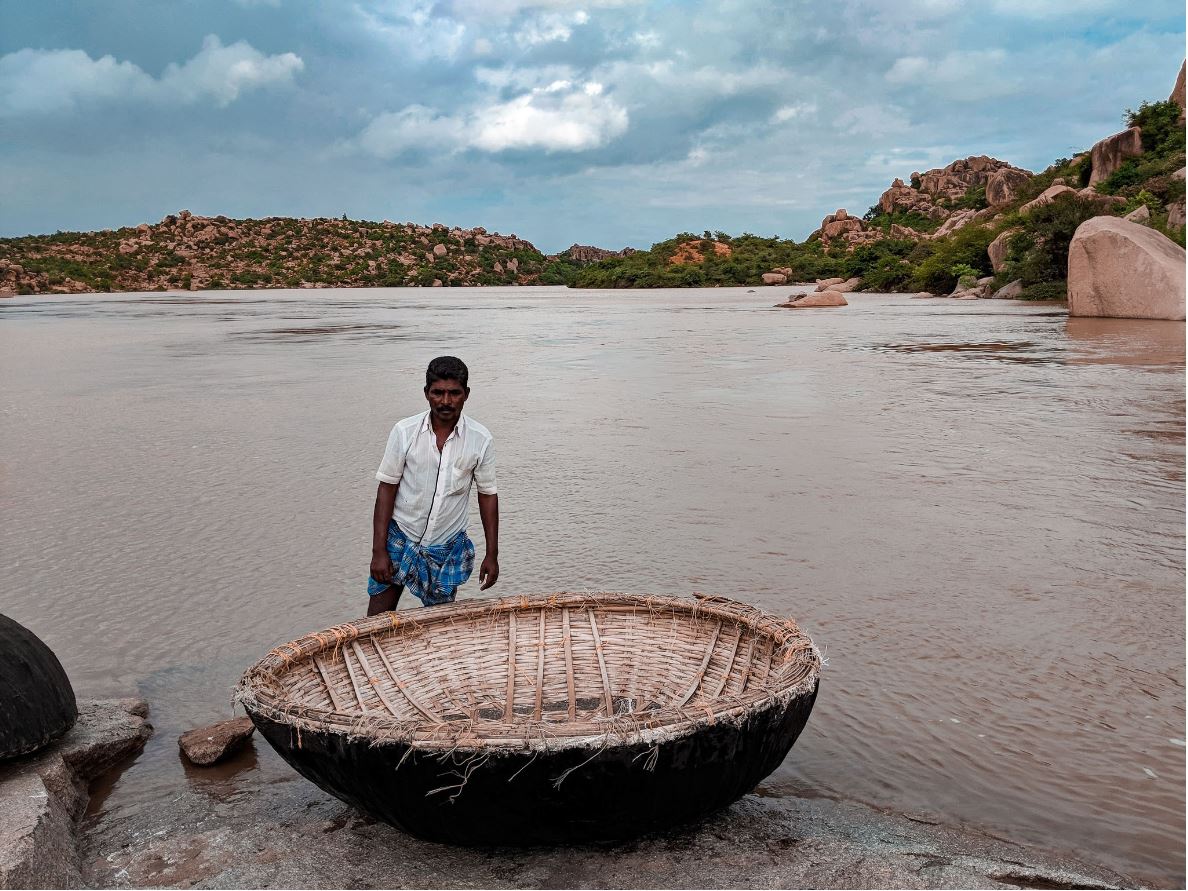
(43, 795)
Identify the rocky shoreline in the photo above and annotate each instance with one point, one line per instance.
(215, 833)
(43, 796)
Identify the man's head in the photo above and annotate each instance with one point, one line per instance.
(446, 389)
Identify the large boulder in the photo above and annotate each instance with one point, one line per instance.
(959, 177)
(850, 231)
(815, 298)
(1004, 185)
(1049, 195)
(959, 220)
(774, 278)
(1119, 269)
(37, 703)
(1009, 291)
(1091, 194)
(850, 284)
(1140, 214)
(826, 284)
(839, 224)
(997, 250)
(1177, 93)
(1108, 155)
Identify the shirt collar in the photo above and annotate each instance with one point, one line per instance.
(459, 428)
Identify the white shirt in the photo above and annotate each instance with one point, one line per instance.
(433, 497)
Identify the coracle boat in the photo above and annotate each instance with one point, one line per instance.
(540, 719)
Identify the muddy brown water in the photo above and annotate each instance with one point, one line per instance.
(975, 508)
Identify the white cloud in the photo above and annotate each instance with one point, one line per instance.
(33, 81)
(223, 72)
(487, 10)
(44, 81)
(561, 117)
(412, 28)
(793, 111)
(411, 129)
(523, 79)
(872, 120)
(1048, 9)
(909, 69)
(969, 75)
(550, 28)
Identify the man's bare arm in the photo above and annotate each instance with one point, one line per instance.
(489, 514)
(381, 563)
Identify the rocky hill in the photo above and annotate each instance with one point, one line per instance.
(584, 254)
(189, 252)
(977, 227)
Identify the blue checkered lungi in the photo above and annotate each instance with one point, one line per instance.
(431, 574)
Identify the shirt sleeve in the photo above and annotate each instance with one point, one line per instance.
(484, 471)
(392, 466)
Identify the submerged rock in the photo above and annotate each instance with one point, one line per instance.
(817, 298)
(209, 745)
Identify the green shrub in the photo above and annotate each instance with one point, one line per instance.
(1041, 252)
(1163, 134)
(966, 246)
(1045, 291)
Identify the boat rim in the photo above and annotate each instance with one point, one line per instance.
(795, 659)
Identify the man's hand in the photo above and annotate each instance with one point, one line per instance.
(488, 572)
(381, 567)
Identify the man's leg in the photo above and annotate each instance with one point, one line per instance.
(385, 600)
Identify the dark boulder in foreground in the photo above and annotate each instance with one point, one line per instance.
(209, 745)
(36, 700)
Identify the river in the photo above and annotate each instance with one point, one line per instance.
(976, 509)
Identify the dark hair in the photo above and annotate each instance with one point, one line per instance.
(446, 368)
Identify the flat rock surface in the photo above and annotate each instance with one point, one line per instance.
(285, 832)
(209, 745)
(42, 795)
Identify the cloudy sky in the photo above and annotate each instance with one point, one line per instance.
(607, 122)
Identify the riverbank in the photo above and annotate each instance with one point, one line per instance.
(210, 828)
(209, 831)
(42, 796)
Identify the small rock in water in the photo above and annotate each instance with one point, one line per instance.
(209, 745)
(1150, 773)
(1177, 742)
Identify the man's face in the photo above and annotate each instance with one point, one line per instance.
(446, 399)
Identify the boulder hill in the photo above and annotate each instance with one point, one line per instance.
(189, 252)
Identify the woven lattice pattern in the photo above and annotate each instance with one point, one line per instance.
(536, 668)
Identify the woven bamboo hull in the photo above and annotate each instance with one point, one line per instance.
(564, 717)
(513, 798)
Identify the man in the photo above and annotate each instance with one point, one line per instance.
(419, 538)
